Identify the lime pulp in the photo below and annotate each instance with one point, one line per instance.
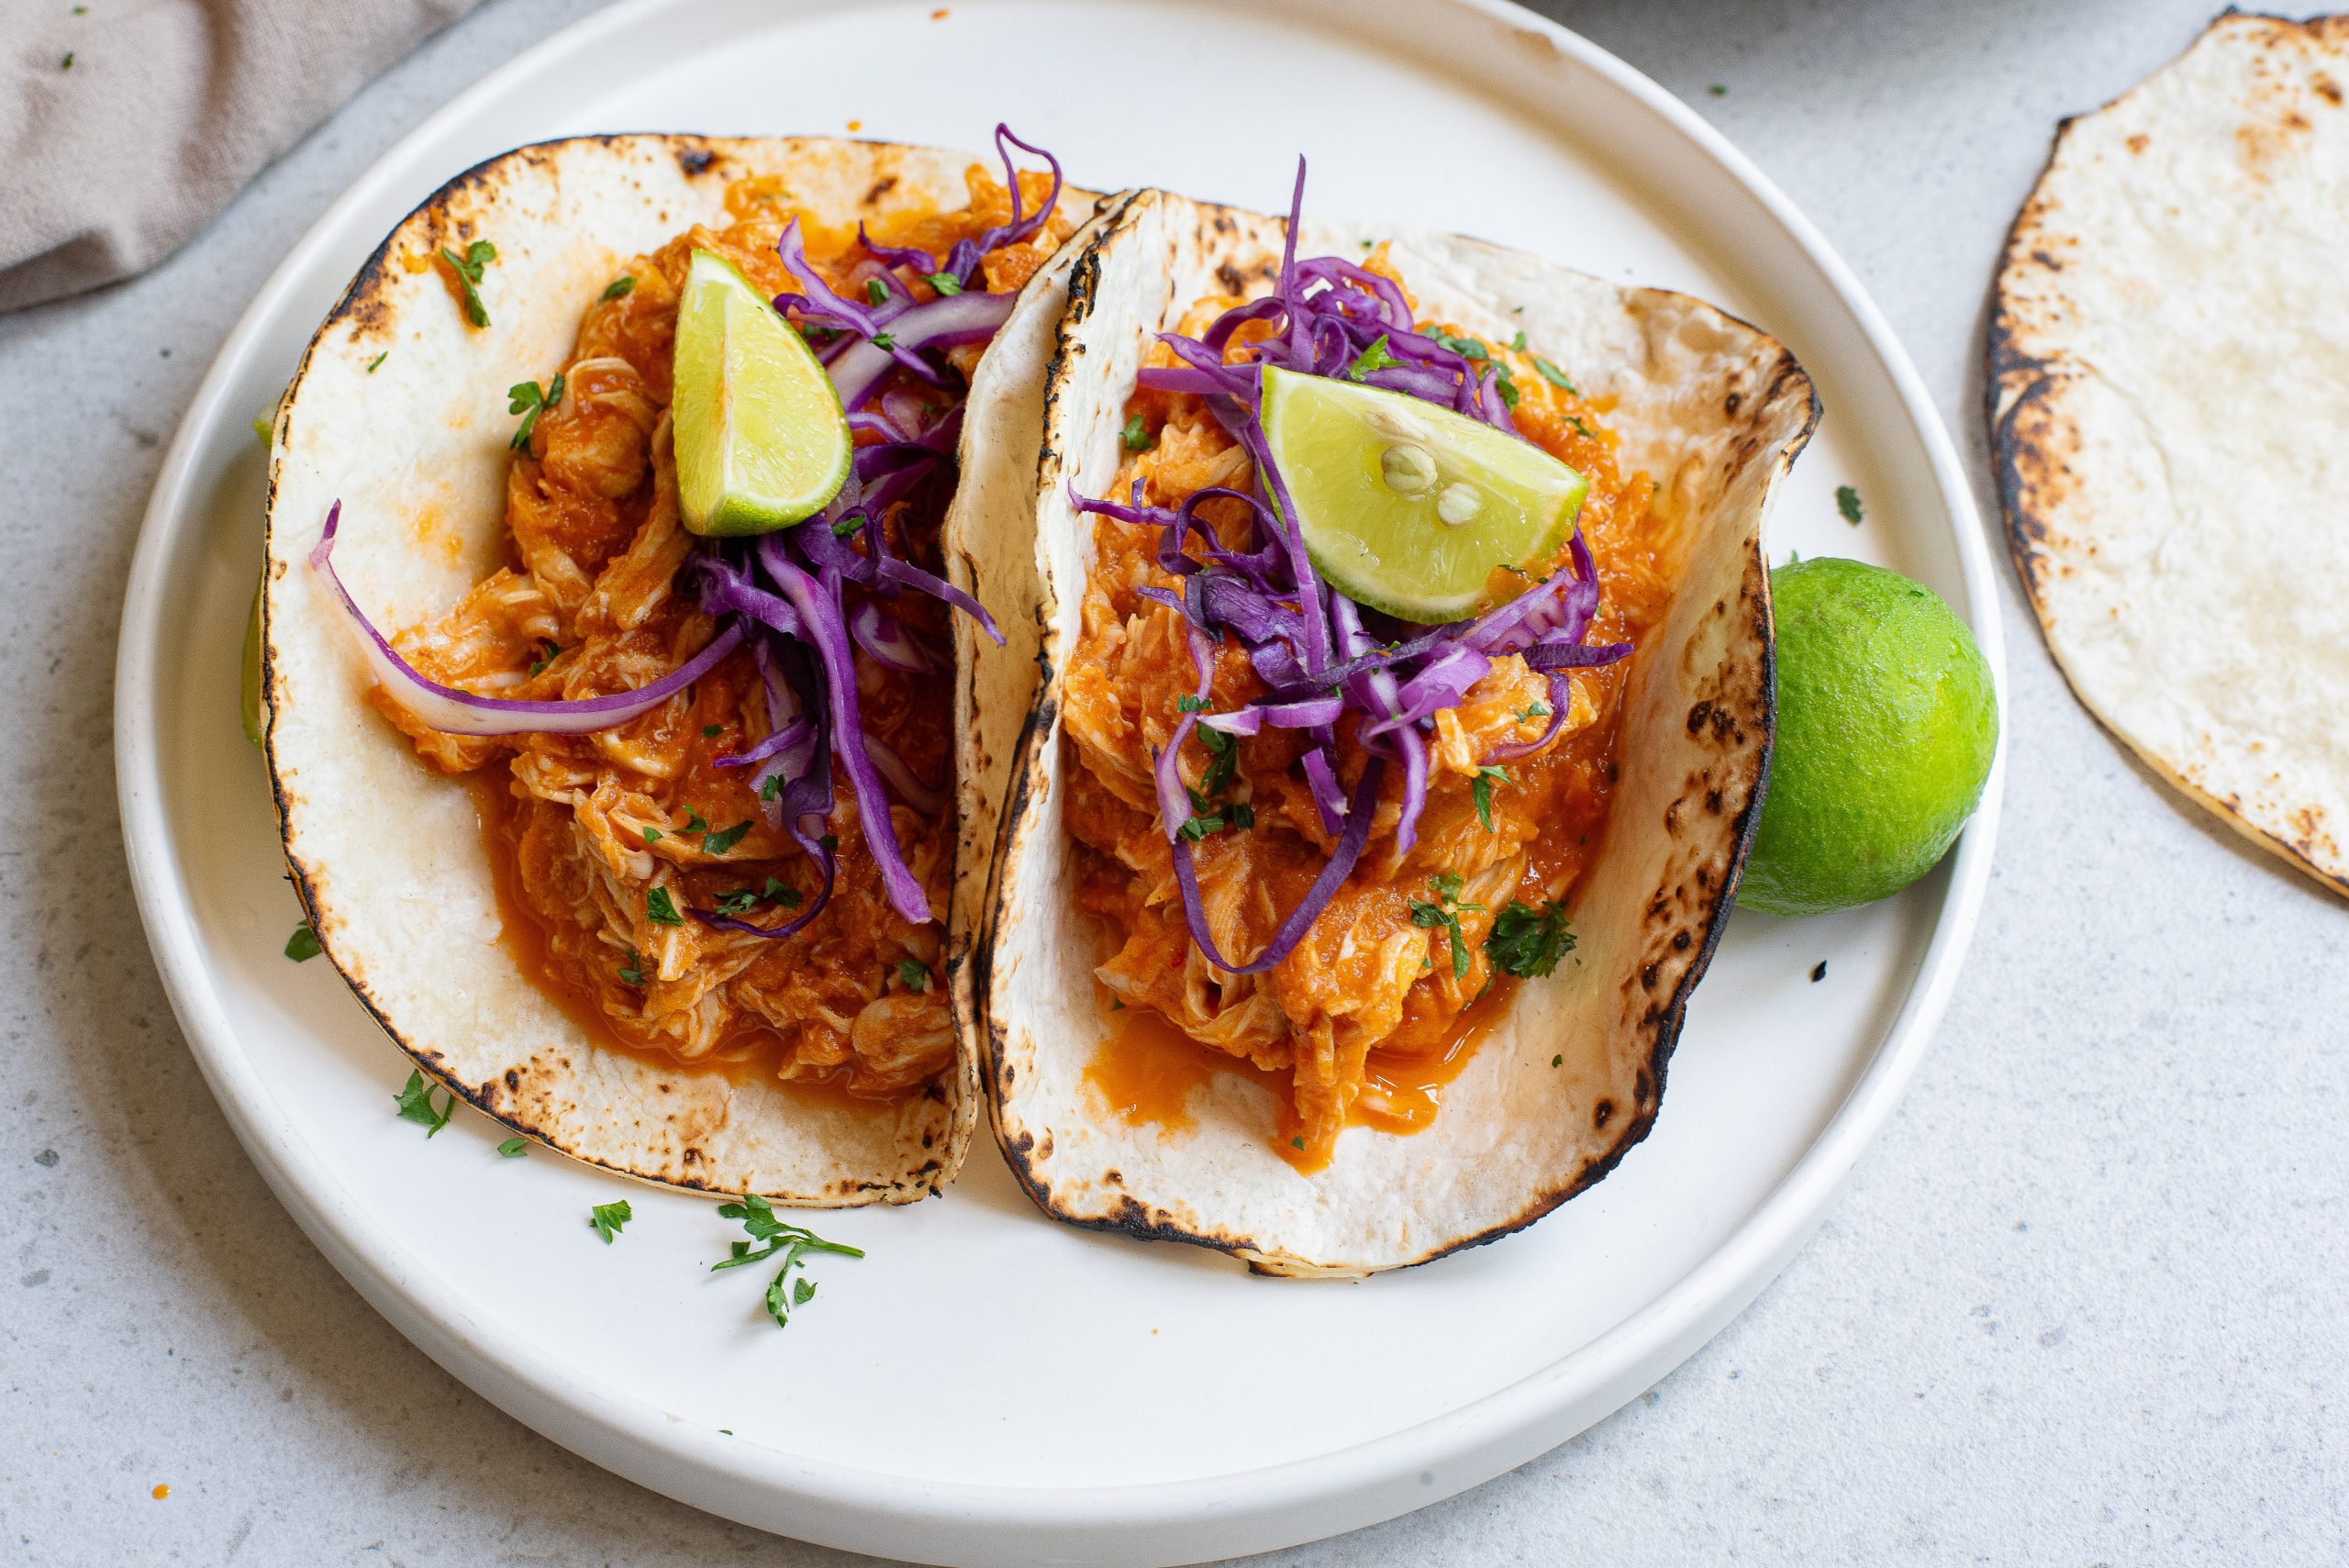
(761, 439)
(1408, 508)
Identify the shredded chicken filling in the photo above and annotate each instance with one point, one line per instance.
(611, 839)
(1373, 974)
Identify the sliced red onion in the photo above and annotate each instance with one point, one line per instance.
(456, 712)
(885, 640)
(1305, 714)
(951, 319)
(901, 778)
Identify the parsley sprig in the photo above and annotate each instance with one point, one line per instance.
(1482, 788)
(468, 268)
(1442, 912)
(416, 1105)
(792, 1243)
(1378, 357)
(608, 1218)
(1528, 942)
(525, 398)
(303, 945)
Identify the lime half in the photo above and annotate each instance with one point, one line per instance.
(1408, 508)
(760, 440)
(1888, 725)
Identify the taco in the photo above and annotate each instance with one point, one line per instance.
(636, 836)
(1333, 937)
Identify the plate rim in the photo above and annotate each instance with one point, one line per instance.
(867, 1510)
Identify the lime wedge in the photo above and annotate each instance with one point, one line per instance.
(1408, 508)
(760, 440)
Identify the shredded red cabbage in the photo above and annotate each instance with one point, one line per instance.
(785, 594)
(1308, 642)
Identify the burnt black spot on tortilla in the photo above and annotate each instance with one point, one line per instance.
(1699, 714)
(1730, 405)
(1228, 277)
(513, 1078)
(1648, 974)
(691, 1156)
(1601, 1114)
(879, 188)
(1680, 941)
(1044, 1147)
(1713, 802)
(695, 160)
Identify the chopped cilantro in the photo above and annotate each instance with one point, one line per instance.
(68, 64)
(772, 787)
(303, 945)
(1528, 714)
(1557, 1062)
(1482, 789)
(606, 1220)
(830, 842)
(1466, 348)
(377, 362)
(913, 974)
(779, 891)
(1718, 91)
(1517, 343)
(848, 526)
(550, 651)
(653, 835)
(1445, 916)
(523, 398)
(1508, 388)
(1528, 942)
(725, 838)
(632, 972)
(884, 341)
(1199, 828)
(415, 1101)
(1587, 433)
(694, 824)
(1555, 376)
(468, 268)
(513, 1148)
(1296, 1143)
(945, 283)
(876, 291)
(712, 731)
(1187, 703)
(662, 909)
(737, 903)
(1847, 501)
(619, 288)
(793, 1243)
(1220, 765)
(1241, 814)
(1378, 357)
(1138, 438)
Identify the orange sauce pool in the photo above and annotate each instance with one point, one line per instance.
(750, 1056)
(1145, 1069)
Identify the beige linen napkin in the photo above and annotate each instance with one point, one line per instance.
(128, 123)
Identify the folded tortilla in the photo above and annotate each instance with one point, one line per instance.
(2167, 413)
(1712, 408)
(400, 411)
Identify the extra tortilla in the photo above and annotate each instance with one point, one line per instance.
(2170, 415)
(388, 854)
(1713, 408)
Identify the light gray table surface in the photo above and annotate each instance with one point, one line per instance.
(2086, 1302)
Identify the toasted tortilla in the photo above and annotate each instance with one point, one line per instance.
(399, 410)
(2169, 411)
(1714, 409)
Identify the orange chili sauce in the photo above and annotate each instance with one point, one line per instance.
(748, 1055)
(1145, 1069)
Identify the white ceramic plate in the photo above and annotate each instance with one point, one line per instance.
(987, 1386)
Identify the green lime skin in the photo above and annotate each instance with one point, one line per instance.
(1887, 723)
